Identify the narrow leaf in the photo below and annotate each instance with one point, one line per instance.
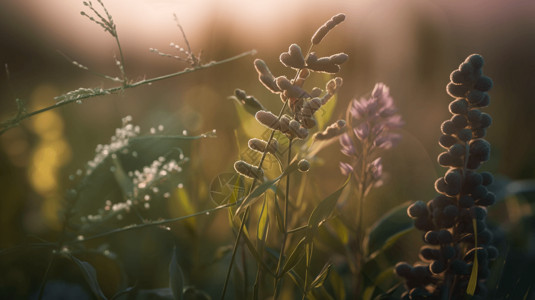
(320, 279)
(90, 276)
(472, 283)
(325, 208)
(176, 278)
(295, 257)
(258, 191)
(388, 229)
(263, 222)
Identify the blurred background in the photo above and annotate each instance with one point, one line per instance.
(411, 46)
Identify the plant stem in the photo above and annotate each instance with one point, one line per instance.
(278, 279)
(264, 154)
(6, 125)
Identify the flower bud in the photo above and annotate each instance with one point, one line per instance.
(248, 170)
(303, 165)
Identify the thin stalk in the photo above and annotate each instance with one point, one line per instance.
(114, 90)
(278, 279)
(240, 231)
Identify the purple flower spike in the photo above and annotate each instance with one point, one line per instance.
(371, 121)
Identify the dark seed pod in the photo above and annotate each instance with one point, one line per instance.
(429, 253)
(459, 106)
(479, 213)
(485, 120)
(476, 60)
(447, 127)
(456, 90)
(486, 178)
(471, 180)
(459, 267)
(466, 201)
(479, 192)
(488, 200)
(448, 251)
(480, 148)
(465, 135)
(483, 84)
(403, 269)
(431, 237)
(447, 141)
(437, 267)
(444, 236)
(450, 211)
(474, 116)
(457, 77)
(459, 121)
(303, 165)
(417, 209)
(457, 150)
(479, 133)
(475, 96)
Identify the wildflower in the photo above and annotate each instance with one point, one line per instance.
(454, 221)
(371, 121)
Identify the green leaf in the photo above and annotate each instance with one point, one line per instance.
(337, 284)
(326, 111)
(320, 279)
(472, 283)
(176, 278)
(258, 191)
(387, 230)
(90, 276)
(295, 257)
(324, 209)
(263, 222)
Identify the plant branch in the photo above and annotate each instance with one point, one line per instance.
(82, 94)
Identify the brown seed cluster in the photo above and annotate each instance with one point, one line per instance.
(299, 119)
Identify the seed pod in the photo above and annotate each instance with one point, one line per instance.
(417, 209)
(323, 64)
(332, 130)
(316, 92)
(248, 170)
(437, 267)
(459, 106)
(403, 269)
(290, 90)
(285, 124)
(250, 103)
(457, 90)
(268, 119)
(326, 27)
(338, 58)
(308, 122)
(310, 107)
(260, 145)
(446, 141)
(265, 76)
(293, 58)
(303, 165)
(465, 134)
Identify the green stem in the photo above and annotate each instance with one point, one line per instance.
(264, 154)
(114, 90)
(278, 279)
